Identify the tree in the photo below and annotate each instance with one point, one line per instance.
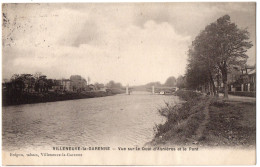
(113, 84)
(28, 80)
(77, 83)
(14, 77)
(229, 44)
(41, 83)
(99, 85)
(110, 84)
(201, 60)
(50, 83)
(89, 80)
(17, 83)
(220, 47)
(156, 84)
(181, 82)
(171, 82)
(37, 75)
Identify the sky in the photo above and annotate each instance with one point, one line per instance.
(131, 43)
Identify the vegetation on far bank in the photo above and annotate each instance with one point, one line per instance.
(30, 98)
(207, 121)
(37, 88)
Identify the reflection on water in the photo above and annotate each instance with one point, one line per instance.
(121, 120)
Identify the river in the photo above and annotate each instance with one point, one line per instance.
(120, 120)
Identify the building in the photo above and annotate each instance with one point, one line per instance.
(77, 83)
(92, 87)
(57, 85)
(103, 89)
(246, 80)
(65, 84)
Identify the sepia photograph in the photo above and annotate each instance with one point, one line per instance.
(129, 83)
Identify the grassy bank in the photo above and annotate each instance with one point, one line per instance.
(182, 120)
(30, 98)
(207, 121)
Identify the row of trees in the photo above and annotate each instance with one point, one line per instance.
(180, 82)
(218, 49)
(110, 84)
(40, 83)
(113, 84)
(28, 82)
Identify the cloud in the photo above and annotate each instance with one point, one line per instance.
(128, 43)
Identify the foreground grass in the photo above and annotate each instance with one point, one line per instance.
(207, 121)
(231, 123)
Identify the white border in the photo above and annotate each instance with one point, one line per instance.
(106, 1)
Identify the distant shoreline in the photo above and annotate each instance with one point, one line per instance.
(32, 98)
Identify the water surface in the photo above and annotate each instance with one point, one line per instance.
(120, 120)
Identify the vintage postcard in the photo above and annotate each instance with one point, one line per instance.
(129, 83)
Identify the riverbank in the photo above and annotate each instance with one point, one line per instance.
(207, 121)
(31, 98)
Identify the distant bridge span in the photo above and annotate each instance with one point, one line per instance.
(154, 90)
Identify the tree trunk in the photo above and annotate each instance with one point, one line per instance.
(224, 75)
(223, 69)
(217, 92)
(225, 90)
(213, 88)
(209, 88)
(212, 85)
(203, 88)
(218, 84)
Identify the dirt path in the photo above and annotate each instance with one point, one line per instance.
(199, 133)
(200, 130)
(239, 98)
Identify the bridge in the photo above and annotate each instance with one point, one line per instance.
(154, 90)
